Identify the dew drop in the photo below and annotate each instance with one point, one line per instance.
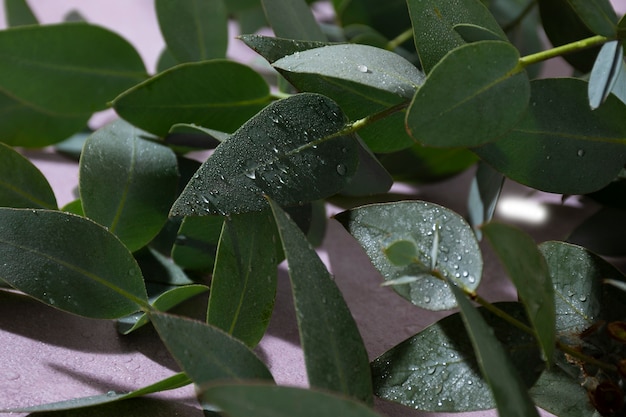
(427, 299)
(362, 68)
(582, 298)
(581, 152)
(251, 174)
(341, 169)
(111, 394)
(431, 371)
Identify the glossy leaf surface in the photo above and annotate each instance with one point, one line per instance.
(458, 257)
(70, 263)
(529, 273)
(273, 48)
(197, 241)
(509, 391)
(22, 185)
(482, 104)
(290, 151)
(436, 19)
(127, 183)
(435, 370)
(243, 287)
(193, 30)
(18, 13)
(217, 94)
(272, 401)
(207, 354)
(560, 145)
(598, 15)
(605, 73)
(39, 69)
(334, 353)
(483, 196)
(292, 19)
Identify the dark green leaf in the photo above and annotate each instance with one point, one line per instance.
(291, 151)
(74, 207)
(473, 33)
(509, 391)
(272, 401)
(173, 382)
(530, 274)
(370, 177)
(436, 371)
(401, 252)
(560, 145)
(561, 395)
(436, 19)
(334, 353)
(435, 230)
(389, 17)
(473, 96)
(193, 30)
(158, 268)
(197, 241)
(598, 15)
(127, 183)
(483, 196)
(164, 302)
(18, 13)
(70, 263)
(603, 233)
(243, 287)
(207, 354)
(605, 73)
(22, 185)
(273, 49)
(39, 70)
(216, 94)
(292, 19)
(166, 61)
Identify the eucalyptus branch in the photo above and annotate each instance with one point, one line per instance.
(562, 50)
(372, 118)
(400, 39)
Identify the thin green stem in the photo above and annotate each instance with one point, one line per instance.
(372, 118)
(585, 358)
(400, 39)
(562, 50)
(498, 312)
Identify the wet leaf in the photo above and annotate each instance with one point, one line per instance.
(560, 145)
(481, 105)
(334, 353)
(207, 354)
(598, 15)
(291, 151)
(436, 19)
(529, 273)
(509, 391)
(483, 196)
(401, 252)
(273, 48)
(127, 183)
(292, 19)
(273, 401)
(390, 18)
(192, 30)
(18, 13)
(70, 263)
(436, 371)
(39, 70)
(605, 73)
(474, 33)
(561, 395)
(217, 94)
(243, 287)
(22, 185)
(377, 226)
(197, 241)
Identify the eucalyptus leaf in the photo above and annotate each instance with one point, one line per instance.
(529, 272)
(127, 183)
(619, 88)
(18, 13)
(474, 95)
(509, 391)
(598, 15)
(292, 151)
(39, 70)
(70, 263)
(217, 94)
(436, 371)
(370, 177)
(197, 242)
(273, 401)
(273, 48)
(483, 196)
(243, 287)
(334, 352)
(560, 145)
(560, 394)
(474, 33)
(193, 31)
(605, 73)
(292, 19)
(436, 19)
(159, 268)
(376, 227)
(207, 354)
(389, 17)
(22, 185)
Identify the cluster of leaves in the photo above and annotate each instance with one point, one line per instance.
(411, 90)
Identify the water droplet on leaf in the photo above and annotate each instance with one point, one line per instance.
(341, 169)
(363, 68)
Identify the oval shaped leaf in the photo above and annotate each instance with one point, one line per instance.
(70, 263)
(441, 237)
(197, 241)
(334, 352)
(39, 69)
(291, 151)
(127, 183)
(292, 19)
(598, 15)
(605, 73)
(473, 96)
(207, 354)
(22, 185)
(216, 94)
(436, 371)
(243, 286)
(560, 145)
(192, 30)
